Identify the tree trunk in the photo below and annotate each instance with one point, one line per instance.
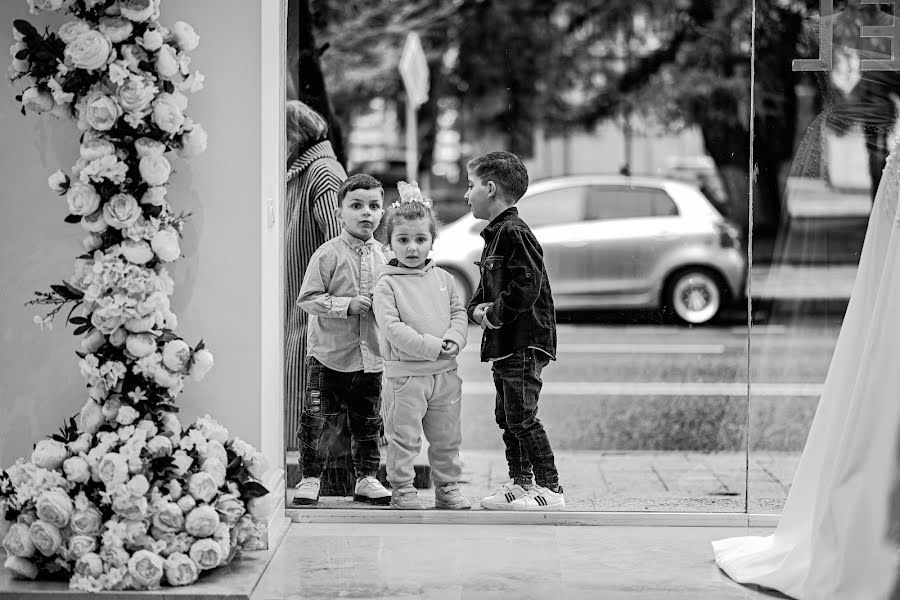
(306, 79)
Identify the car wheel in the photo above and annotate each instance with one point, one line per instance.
(694, 296)
(463, 287)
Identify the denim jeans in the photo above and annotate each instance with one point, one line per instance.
(330, 393)
(517, 379)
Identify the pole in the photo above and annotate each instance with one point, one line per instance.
(412, 140)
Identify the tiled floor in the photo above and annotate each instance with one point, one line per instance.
(497, 562)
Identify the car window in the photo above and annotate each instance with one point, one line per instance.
(612, 202)
(553, 207)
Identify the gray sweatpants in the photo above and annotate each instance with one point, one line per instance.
(429, 403)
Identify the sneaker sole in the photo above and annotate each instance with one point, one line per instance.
(549, 508)
(442, 506)
(492, 506)
(395, 507)
(376, 501)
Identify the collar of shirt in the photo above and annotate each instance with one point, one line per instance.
(492, 227)
(357, 244)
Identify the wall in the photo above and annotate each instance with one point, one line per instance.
(218, 285)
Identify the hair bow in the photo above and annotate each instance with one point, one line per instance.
(410, 192)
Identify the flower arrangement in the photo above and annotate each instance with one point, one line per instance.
(410, 192)
(124, 497)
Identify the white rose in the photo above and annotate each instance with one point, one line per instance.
(101, 111)
(21, 567)
(145, 146)
(159, 445)
(165, 244)
(108, 318)
(169, 517)
(87, 522)
(146, 569)
(140, 325)
(114, 556)
(89, 565)
(49, 454)
(214, 448)
(137, 252)
(135, 97)
(121, 211)
(83, 200)
(202, 486)
(18, 541)
(81, 445)
(148, 426)
(127, 506)
(90, 418)
(37, 100)
(166, 378)
(111, 408)
(186, 504)
(69, 32)
(230, 508)
(137, 10)
(155, 170)
(58, 182)
(92, 242)
(38, 6)
(90, 50)
(116, 29)
(127, 415)
(207, 553)
(93, 222)
(117, 338)
(166, 61)
(193, 142)
(181, 569)
(96, 149)
(45, 537)
(55, 507)
(182, 462)
(185, 36)
(140, 344)
(92, 342)
(79, 545)
(176, 355)
(113, 469)
(152, 40)
(202, 521)
(154, 196)
(216, 468)
(138, 485)
(168, 114)
(203, 362)
(77, 469)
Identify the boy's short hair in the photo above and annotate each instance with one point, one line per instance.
(360, 181)
(504, 169)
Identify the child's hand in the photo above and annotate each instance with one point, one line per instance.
(449, 349)
(359, 305)
(478, 313)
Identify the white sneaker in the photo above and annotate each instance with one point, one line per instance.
(307, 491)
(539, 498)
(368, 489)
(500, 499)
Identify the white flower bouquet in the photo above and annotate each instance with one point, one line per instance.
(123, 497)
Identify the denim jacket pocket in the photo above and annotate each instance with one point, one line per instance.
(492, 263)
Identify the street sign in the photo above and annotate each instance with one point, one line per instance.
(414, 69)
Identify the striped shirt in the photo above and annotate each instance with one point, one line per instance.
(313, 180)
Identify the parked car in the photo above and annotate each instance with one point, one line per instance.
(617, 242)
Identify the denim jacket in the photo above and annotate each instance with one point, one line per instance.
(514, 279)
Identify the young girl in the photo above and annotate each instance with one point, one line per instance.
(423, 326)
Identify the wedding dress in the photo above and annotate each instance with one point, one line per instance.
(832, 541)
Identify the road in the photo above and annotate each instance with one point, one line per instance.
(625, 386)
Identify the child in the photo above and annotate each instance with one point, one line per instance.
(344, 362)
(514, 308)
(423, 327)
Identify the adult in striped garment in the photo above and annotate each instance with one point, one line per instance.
(313, 178)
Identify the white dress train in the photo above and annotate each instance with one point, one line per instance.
(831, 541)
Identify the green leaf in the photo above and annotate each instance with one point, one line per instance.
(83, 329)
(73, 219)
(73, 289)
(22, 54)
(24, 27)
(253, 489)
(79, 320)
(67, 292)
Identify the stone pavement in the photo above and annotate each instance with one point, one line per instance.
(636, 481)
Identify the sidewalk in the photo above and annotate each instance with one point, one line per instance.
(635, 481)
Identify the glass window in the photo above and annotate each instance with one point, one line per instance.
(627, 203)
(554, 207)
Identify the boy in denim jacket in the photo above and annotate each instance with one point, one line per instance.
(344, 364)
(514, 308)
